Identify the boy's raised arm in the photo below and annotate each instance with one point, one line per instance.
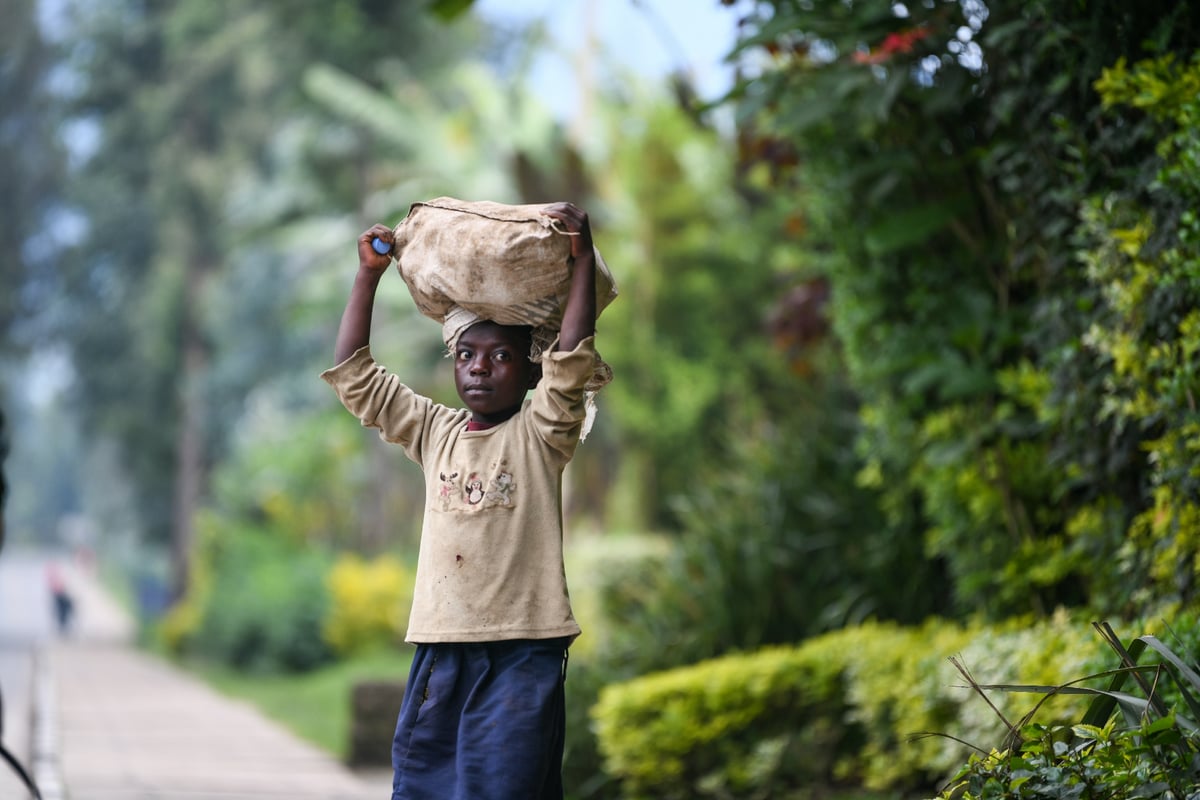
(354, 331)
(579, 316)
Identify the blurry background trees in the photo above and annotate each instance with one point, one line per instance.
(201, 143)
(31, 183)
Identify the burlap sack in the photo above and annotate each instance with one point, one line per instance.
(506, 263)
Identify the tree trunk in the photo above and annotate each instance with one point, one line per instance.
(190, 447)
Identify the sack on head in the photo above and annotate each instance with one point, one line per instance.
(506, 263)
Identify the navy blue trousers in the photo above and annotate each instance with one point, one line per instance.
(482, 722)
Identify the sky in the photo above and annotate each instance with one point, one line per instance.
(653, 38)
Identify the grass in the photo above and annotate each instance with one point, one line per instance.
(313, 705)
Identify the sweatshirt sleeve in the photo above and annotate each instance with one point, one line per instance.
(557, 406)
(379, 400)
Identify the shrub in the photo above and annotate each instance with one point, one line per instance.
(728, 725)
(1151, 760)
(256, 601)
(369, 603)
(267, 615)
(1154, 754)
(777, 546)
(848, 708)
(897, 684)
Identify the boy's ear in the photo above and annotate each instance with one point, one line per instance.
(535, 375)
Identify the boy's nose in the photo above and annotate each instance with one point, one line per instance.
(479, 366)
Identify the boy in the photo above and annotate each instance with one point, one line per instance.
(482, 715)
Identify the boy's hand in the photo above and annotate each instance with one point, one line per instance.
(354, 332)
(368, 259)
(579, 315)
(575, 220)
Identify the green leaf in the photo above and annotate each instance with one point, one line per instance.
(447, 10)
(1101, 709)
(904, 227)
(1187, 672)
(1160, 724)
(1090, 732)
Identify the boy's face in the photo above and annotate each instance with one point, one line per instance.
(492, 370)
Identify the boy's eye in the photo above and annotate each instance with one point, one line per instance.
(464, 355)
(503, 355)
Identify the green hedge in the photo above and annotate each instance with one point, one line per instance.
(844, 709)
(664, 733)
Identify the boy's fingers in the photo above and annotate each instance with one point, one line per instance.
(371, 242)
(381, 232)
(570, 214)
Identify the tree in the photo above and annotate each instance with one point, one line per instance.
(33, 216)
(32, 219)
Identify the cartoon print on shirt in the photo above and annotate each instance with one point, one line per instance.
(501, 489)
(474, 489)
(446, 490)
(477, 491)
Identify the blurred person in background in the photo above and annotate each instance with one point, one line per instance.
(60, 595)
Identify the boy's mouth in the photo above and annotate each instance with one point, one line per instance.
(476, 388)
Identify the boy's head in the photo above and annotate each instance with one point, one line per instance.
(492, 370)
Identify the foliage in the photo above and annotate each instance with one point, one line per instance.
(724, 726)
(1152, 760)
(732, 416)
(954, 147)
(1146, 332)
(777, 546)
(308, 478)
(689, 354)
(369, 602)
(258, 602)
(280, 510)
(843, 709)
(1150, 750)
(34, 221)
(282, 506)
(284, 502)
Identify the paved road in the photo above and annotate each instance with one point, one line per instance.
(110, 722)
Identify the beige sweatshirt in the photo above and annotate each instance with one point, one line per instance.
(490, 565)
